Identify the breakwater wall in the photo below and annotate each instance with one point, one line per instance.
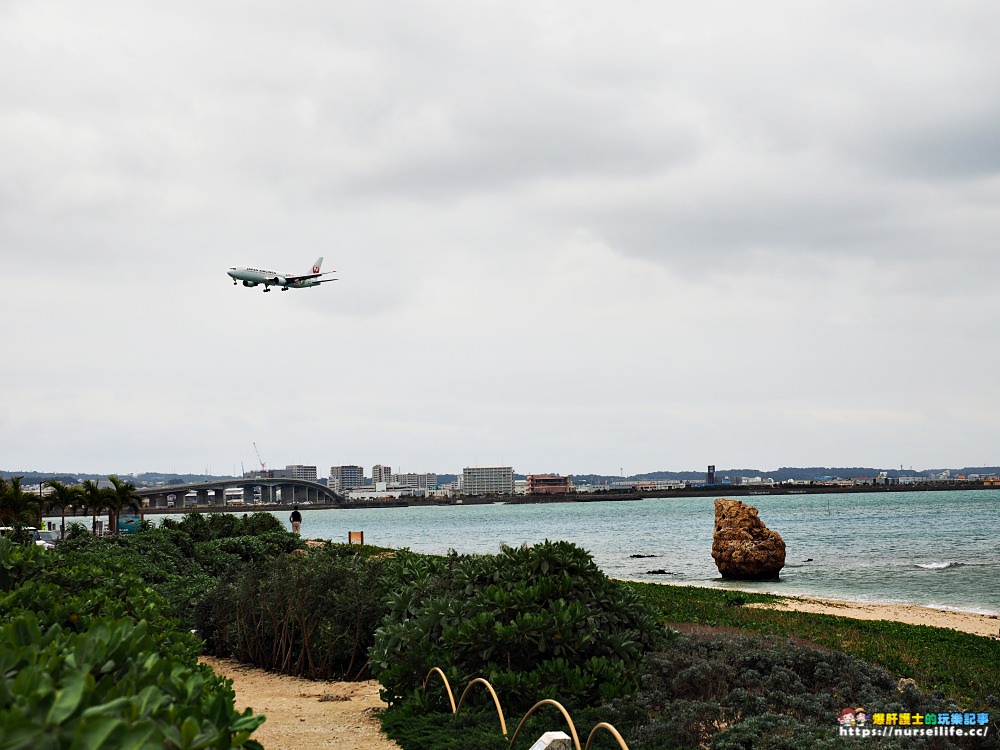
(585, 497)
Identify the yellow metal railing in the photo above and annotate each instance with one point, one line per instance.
(546, 702)
(563, 711)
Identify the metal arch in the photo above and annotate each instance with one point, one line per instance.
(563, 711)
(496, 701)
(614, 733)
(451, 696)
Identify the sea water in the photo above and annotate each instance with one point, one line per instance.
(928, 548)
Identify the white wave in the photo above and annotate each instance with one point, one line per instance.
(938, 565)
(967, 610)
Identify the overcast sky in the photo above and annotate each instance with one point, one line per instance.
(570, 237)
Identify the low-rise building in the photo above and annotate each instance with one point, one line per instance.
(549, 484)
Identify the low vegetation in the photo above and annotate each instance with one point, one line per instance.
(541, 622)
(961, 666)
(91, 657)
(97, 648)
(311, 615)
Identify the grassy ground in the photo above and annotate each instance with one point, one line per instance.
(965, 667)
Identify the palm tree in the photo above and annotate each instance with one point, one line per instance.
(17, 507)
(123, 496)
(95, 500)
(63, 496)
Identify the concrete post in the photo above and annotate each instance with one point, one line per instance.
(553, 741)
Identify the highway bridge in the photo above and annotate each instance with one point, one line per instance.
(219, 493)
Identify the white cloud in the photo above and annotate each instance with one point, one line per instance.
(574, 237)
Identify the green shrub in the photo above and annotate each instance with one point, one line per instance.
(18, 562)
(961, 665)
(107, 686)
(202, 527)
(91, 657)
(541, 622)
(730, 691)
(177, 565)
(312, 615)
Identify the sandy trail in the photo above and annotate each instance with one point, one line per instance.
(307, 714)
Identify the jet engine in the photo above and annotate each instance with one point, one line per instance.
(280, 280)
(249, 283)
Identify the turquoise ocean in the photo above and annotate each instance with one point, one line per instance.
(939, 549)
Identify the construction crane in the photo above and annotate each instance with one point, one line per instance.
(263, 465)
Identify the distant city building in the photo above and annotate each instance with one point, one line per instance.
(710, 476)
(549, 484)
(652, 485)
(422, 481)
(381, 492)
(381, 474)
(267, 474)
(488, 480)
(298, 471)
(345, 478)
(753, 481)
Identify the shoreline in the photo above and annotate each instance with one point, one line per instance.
(965, 621)
(863, 610)
(974, 623)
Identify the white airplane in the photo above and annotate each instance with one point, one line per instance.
(255, 276)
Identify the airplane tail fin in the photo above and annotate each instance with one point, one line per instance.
(318, 264)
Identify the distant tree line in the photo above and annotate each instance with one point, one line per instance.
(19, 507)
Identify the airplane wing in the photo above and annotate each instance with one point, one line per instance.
(307, 276)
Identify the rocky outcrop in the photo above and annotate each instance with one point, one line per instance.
(743, 547)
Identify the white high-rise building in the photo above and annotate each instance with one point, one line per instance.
(488, 480)
(422, 481)
(381, 474)
(298, 471)
(345, 478)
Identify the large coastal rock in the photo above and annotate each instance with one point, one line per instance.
(743, 547)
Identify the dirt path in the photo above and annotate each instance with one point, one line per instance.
(303, 714)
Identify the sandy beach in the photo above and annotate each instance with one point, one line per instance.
(967, 622)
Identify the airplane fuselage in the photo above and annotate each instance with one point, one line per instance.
(260, 276)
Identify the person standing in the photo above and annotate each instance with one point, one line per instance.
(296, 519)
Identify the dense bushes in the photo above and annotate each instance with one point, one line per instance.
(183, 560)
(731, 691)
(961, 665)
(312, 615)
(716, 690)
(540, 622)
(90, 657)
